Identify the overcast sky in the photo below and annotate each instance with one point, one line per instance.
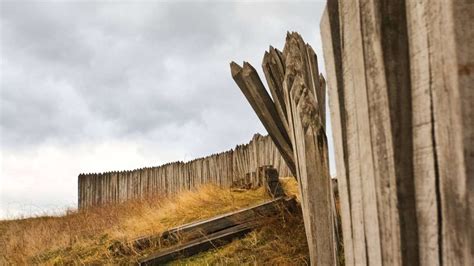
(99, 86)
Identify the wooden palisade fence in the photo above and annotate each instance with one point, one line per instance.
(294, 118)
(222, 169)
(401, 93)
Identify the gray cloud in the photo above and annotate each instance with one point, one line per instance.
(76, 70)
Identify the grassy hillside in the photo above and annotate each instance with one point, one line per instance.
(85, 237)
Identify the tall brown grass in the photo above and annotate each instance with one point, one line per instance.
(84, 237)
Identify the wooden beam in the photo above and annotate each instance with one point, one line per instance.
(252, 88)
(198, 245)
(274, 79)
(263, 99)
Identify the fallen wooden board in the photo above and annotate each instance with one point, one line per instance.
(195, 230)
(201, 244)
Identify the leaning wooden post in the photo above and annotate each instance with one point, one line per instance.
(248, 81)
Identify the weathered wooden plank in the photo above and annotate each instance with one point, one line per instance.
(452, 75)
(314, 177)
(352, 140)
(251, 86)
(208, 226)
(315, 83)
(80, 190)
(424, 160)
(353, 54)
(310, 152)
(322, 111)
(287, 83)
(392, 37)
(271, 68)
(385, 54)
(332, 58)
(198, 245)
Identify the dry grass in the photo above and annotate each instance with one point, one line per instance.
(290, 186)
(282, 241)
(84, 237)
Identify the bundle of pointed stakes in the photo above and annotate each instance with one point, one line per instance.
(289, 76)
(294, 117)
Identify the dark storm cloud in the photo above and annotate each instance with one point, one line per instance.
(76, 71)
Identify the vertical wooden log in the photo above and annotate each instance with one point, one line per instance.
(93, 188)
(424, 160)
(129, 185)
(89, 190)
(332, 57)
(79, 191)
(122, 186)
(105, 184)
(313, 179)
(358, 232)
(451, 36)
(362, 146)
(389, 41)
(98, 189)
(86, 190)
(274, 73)
(310, 152)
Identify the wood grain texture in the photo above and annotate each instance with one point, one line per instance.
(388, 88)
(352, 140)
(357, 92)
(314, 179)
(310, 149)
(332, 57)
(405, 111)
(251, 86)
(452, 59)
(274, 74)
(424, 159)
